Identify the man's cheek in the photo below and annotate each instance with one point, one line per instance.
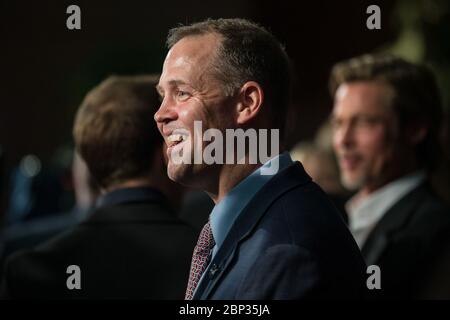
(166, 158)
(383, 158)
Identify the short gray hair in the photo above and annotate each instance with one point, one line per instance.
(247, 52)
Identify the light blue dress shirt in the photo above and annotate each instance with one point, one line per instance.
(226, 211)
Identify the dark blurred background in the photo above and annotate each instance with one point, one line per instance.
(47, 69)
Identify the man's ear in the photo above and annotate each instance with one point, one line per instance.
(251, 97)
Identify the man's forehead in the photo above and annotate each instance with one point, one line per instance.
(174, 61)
(176, 69)
(196, 47)
(363, 96)
(187, 61)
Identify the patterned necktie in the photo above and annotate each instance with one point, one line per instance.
(200, 259)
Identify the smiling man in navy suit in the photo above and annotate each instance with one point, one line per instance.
(269, 236)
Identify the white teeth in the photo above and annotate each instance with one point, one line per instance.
(175, 138)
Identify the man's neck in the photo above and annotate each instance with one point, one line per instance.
(132, 183)
(229, 177)
(370, 188)
(172, 192)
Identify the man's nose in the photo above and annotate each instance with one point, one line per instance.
(345, 136)
(165, 113)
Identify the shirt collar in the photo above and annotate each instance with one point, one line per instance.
(226, 211)
(127, 195)
(367, 212)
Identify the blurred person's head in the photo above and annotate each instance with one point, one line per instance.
(227, 73)
(386, 119)
(115, 134)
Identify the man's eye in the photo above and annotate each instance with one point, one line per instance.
(367, 121)
(182, 95)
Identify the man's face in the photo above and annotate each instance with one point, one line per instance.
(189, 93)
(365, 134)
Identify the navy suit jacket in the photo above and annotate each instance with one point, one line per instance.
(288, 243)
(410, 245)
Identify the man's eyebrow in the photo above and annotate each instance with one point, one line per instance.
(172, 83)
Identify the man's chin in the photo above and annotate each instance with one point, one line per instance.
(174, 172)
(180, 173)
(352, 183)
(194, 176)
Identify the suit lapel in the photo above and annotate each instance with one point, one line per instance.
(393, 221)
(282, 182)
